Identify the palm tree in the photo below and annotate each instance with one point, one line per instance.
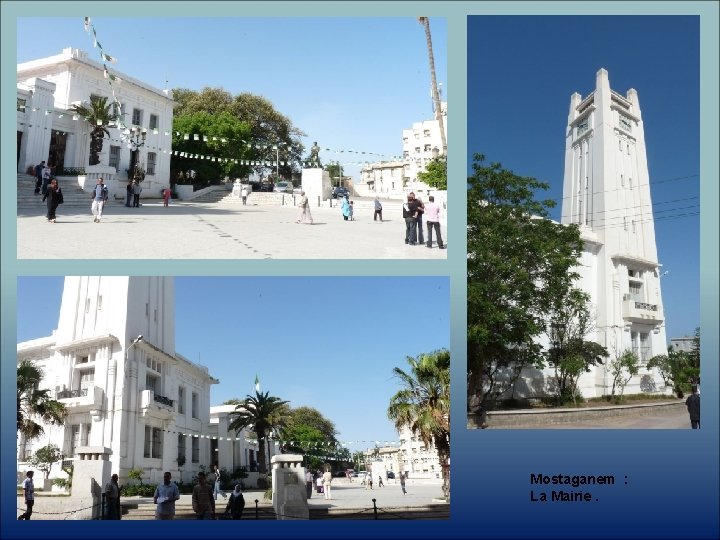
(99, 114)
(33, 403)
(423, 404)
(261, 413)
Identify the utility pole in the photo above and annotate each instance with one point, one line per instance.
(425, 21)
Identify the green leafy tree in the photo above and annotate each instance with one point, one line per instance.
(571, 355)
(99, 114)
(622, 369)
(45, 458)
(272, 134)
(423, 404)
(261, 414)
(221, 135)
(677, 368)
(435, 174)
(519, 264)
(335, 171)
(35, 404)
(136, 474)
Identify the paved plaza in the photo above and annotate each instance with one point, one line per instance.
(212, 231)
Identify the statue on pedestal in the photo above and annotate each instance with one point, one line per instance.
(315, 155)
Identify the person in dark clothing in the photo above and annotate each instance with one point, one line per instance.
(54, 197)
(39, 176)
(129, 195)
(693, 406)
(236, 503)
(410, 210)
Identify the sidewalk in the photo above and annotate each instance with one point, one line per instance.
(210, 231)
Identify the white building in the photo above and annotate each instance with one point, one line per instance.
(382, 178)
(136, 396)
(421, 143)
(46, 129)
(607, 193)
(412, 457)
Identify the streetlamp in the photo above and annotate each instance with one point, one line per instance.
(136, 137)
(132, 344)
(277, 159)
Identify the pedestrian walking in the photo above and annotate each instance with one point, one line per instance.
(369, 481)
(216, 484)
(112, 498)
(319, 484)
(236, 503)
(432, 218)
(165, 496)
(54, 197)
(402, 482)
(304, 210)
(693, 406)
(380, 481)
(39, 176)
(137, 190)
(100, 195)
(309, 481)
(166, 196)
(203, 502)
(244, 194)
(46, 176)
(327, 481)
(28, 494)
(378, 209)
(345, 208)
(352, 211)
(410, 215)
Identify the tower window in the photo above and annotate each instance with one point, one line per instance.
(87, 305)
(622, 181)
(100, 302)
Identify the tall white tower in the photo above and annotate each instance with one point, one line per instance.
(607, 193)
(135, 396)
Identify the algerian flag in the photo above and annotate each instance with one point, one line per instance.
(257, 383)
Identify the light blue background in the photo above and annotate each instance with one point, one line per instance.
(672, 489)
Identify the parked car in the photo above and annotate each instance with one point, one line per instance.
(339, 191)
(390, 475)
(283, 187)
(266, 186)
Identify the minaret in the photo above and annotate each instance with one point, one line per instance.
(606, 192)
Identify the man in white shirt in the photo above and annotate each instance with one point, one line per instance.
(165, 496)
(29, 493)
(432, 218)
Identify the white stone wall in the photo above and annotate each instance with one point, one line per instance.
(57, 82)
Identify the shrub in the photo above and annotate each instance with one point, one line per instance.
(142, 490)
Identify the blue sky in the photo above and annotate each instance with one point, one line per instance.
(521, 74)
(349, 83)
(324, 342)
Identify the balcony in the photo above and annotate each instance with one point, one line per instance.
(157, 406)
(642, 312)
(81, 400)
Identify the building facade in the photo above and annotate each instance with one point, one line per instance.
(421, 143)
(112, 363)
(47, 130)
(606, 192)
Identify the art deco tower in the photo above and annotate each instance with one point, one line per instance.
(607, 193)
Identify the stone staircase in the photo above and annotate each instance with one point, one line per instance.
(183, 511)
(146, 511)
(72, 194)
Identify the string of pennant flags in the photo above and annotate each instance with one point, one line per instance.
(284, 442)
(113, 78)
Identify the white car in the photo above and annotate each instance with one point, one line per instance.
(283, 187)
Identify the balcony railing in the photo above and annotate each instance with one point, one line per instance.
(162, 399)
(645, 306)
(64, 394)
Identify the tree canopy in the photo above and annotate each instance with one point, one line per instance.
(423, 404)
(520, 263)
(435, 173)
(33, 403)
(262, 414)
(271, 134)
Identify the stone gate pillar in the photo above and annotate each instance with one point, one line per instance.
(289, 495)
